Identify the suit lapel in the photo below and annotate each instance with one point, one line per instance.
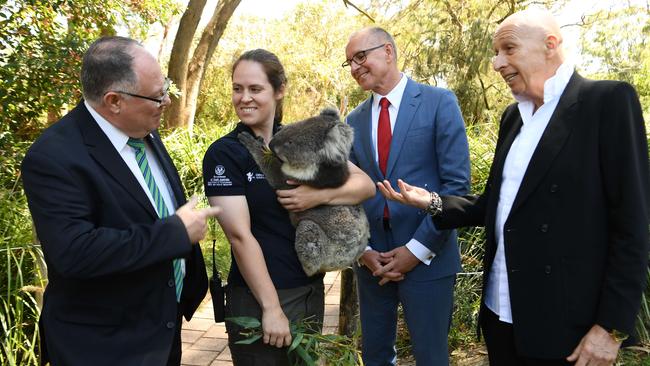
(101, 149)
(365, 126)
(502, 152)
(553, 139)
(167, 166)
(409, 104)
(512, 124)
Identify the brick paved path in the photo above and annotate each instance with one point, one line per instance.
(205, 342)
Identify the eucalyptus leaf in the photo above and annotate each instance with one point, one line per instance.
(305, 356)
(245, 321)
(296, 341)
(250, 340)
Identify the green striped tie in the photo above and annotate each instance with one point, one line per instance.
(161, 208)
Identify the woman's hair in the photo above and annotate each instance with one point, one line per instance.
(272, 68)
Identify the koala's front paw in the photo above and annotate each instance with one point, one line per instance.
(250, 142)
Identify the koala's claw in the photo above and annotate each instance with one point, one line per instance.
(249, 141)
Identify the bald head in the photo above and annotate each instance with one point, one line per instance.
(376, 35)
(536, 24)
(528, 51)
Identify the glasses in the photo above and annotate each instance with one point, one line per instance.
(360, 57)
(160, 100)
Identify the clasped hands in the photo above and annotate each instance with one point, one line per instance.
(393, 265)
(390, 266)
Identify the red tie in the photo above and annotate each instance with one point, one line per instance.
(383, 141)
(383, 135)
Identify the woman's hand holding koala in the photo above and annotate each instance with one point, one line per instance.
(301, 198)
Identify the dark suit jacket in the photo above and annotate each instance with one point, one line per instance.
(111, 294)
(576, 239)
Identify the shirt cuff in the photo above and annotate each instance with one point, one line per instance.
(359, 264)
(420, 251)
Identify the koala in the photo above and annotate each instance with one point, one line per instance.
(315, 152)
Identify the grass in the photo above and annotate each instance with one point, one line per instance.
(19, 308)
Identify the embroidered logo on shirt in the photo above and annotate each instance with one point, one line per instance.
(219, 180)
(250, 176)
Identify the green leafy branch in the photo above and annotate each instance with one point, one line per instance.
(308, 347)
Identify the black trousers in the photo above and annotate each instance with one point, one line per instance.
(297, 303)
(500, 341)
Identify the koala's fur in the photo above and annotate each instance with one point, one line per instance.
(315, 152)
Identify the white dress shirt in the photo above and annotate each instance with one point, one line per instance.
(119, 139)
(395, 98)
(497, 296)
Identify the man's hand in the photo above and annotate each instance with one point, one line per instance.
(403, 261)
(275, 326)
(597, 348)
(195, 219)
(301, 198)
(408, 195)
(374, 261)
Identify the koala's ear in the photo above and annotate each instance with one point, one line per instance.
(330, 112)
(338, 143)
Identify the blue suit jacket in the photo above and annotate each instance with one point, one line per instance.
(428, 149)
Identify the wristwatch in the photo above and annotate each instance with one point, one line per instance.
(618, 336)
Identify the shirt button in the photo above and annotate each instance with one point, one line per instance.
(547, 269)
(543, 228)
(171, 283)
(554, 188)
(170, 325)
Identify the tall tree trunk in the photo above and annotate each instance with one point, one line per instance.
(178, 60)
(190, 74)
(202, 55)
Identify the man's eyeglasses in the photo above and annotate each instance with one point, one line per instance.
(160, 100)
(360, 57)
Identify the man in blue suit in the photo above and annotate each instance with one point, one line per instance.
(416, 132)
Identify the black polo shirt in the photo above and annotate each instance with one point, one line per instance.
(229, 170)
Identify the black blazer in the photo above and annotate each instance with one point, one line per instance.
(576, 239)
(111, 294)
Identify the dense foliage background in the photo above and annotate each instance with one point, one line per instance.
(445, 43)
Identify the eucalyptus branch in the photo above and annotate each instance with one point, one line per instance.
(309, 347)
(348, 2)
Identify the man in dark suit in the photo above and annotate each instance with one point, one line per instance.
(108, 205)
(405, 129)
(565, 207)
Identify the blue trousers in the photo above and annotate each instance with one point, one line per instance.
(427, 308)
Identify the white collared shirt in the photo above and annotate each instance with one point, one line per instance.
(497, 296)
(395, 98)
(119, 139)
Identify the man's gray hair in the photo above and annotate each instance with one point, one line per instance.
(382, 35)
(108, 64)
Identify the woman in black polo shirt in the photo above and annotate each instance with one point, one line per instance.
(266, 279)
